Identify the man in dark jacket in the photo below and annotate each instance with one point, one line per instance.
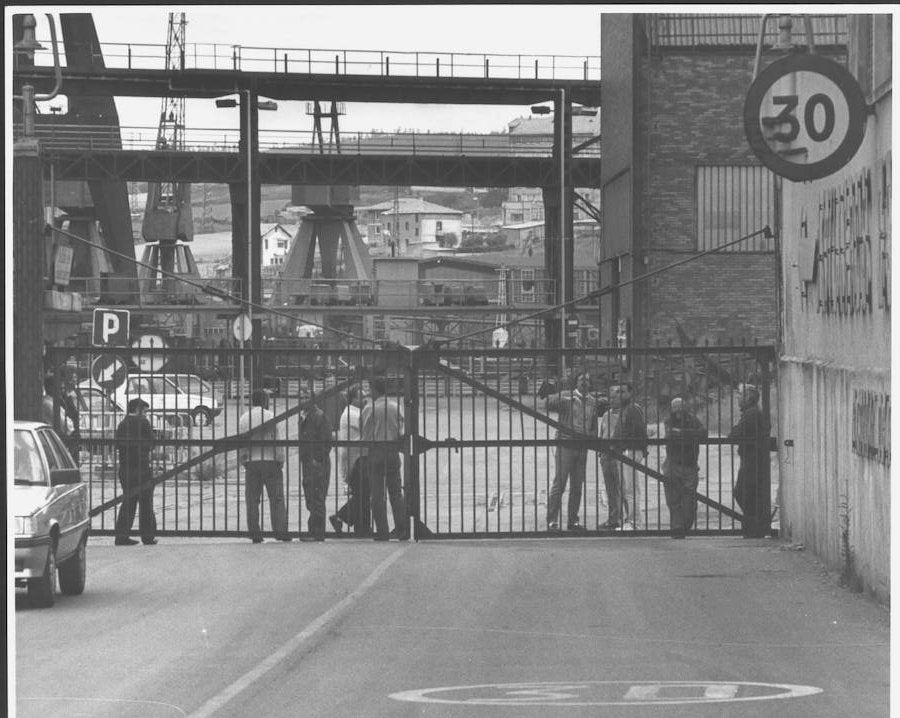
(683, 435)
(631, 431)
(752, 491)
(135, 439)
(315, 464)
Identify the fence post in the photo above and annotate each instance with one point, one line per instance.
(129, 57)
(387, 66)
(487, 65)
(535, 69)
(337, 64)
(285, 63)
(410, 455)
(438, 66)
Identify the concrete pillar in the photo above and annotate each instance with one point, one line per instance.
(28, 281)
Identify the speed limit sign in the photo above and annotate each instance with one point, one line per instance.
(805, 117)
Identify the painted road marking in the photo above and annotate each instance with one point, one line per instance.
(607, 693)
(156, 707)
(257, 672)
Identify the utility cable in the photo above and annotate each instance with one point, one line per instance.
(208, 289)
(597, 293)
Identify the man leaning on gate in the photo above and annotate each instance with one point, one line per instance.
(262, 467)
(684, 432)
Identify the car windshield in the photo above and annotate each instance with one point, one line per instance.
(193, 384)
(29, 469)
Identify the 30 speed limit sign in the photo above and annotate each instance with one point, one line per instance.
(805, 117)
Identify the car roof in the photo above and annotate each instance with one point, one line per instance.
(28, 425)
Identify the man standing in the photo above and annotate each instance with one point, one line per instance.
(631, 428)
(135, 439)
(315, 464)
(262, 468)
(683, 435)
(611, 468)
(578, 410)
(352, 466)
(752, 492)
(382, 420)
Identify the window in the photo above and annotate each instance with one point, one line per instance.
(732, 202)
(438, 226)
(49, 450)
(29, 469)
(407, 225)
(527, 285)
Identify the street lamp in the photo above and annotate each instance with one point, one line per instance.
(251, 138)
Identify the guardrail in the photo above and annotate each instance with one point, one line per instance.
(117, 289)
(103, 138)
(323, 61)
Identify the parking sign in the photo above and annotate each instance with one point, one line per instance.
(111, 327)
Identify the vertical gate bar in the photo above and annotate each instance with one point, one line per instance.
(413, 430)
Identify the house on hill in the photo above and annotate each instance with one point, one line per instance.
(410, 225)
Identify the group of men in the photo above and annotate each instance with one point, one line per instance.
(371, 472)
(369, 462)
(619, 420)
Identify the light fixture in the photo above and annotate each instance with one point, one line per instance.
(540, 110)
(226, 102)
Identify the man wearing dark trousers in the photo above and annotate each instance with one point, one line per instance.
(382, 420)
(315, 464)
(752, 491)
(578, 409)
(262, 468)
(135, 439)
(683, 435)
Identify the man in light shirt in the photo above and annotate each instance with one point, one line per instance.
(578, 409)
(382, 420)
(351, 461)
(611, 467)
(262, 467)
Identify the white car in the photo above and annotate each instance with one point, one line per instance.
(52, 521)
(164, 396)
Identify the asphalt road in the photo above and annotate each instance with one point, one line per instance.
(559, 627)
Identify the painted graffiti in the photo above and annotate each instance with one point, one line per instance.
(852, 249)
(872, 426)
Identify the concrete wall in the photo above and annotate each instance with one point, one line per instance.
(834, 373)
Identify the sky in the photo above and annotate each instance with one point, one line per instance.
(491, 29)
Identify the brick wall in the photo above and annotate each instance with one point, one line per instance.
(716, 299)
(691, 113)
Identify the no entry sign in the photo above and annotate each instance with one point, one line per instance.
(805, 117)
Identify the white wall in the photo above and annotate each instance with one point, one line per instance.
(834, 369)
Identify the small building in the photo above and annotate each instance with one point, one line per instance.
(276, 241)
(411, 225)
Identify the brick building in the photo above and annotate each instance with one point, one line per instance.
(679, 177)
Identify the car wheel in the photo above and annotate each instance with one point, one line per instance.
(72, 571)
(201, 416)
(42, 591)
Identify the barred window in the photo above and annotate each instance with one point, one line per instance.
(732, 202)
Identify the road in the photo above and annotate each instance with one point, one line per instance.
(569, 627)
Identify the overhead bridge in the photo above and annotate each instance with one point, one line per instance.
(79, 152)
(211, 70)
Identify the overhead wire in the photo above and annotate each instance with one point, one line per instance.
(210, 290)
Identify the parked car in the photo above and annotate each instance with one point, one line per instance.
(50, 506)
(100, 414)
(164, 396)
(193, 384)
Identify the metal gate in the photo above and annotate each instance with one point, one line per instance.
(478, 452)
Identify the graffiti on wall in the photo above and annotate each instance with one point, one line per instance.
(851, 262)
(871, 437)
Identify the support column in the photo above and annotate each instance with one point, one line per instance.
(28, 282)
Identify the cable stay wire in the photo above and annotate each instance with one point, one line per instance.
(603, 291)
(213, 291)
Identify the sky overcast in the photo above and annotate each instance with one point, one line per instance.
(489, 29)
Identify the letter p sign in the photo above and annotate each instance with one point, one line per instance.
(111, 327)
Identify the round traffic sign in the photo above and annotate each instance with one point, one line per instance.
(500, 337)
(242, 327)
(805, 117)
(147, 360)
(109, 372)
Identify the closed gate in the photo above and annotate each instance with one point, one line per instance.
(479, 444)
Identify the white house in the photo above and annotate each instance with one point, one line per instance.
(411, 225)
(276, 241)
